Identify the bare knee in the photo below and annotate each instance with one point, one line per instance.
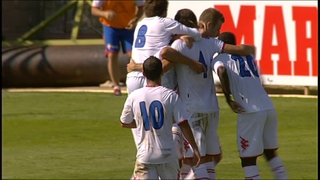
(250, 161)
(269, 154)
(113, 56)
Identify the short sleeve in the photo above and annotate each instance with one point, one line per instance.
(216, 63)
(179, 45)
(127, 115)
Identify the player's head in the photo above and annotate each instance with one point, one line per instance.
(227, 37)
(210, 22)
(152, 68)
(155, 8)
(186, 17)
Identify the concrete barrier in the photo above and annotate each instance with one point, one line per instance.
(57, 66)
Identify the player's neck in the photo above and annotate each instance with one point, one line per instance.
(153, 83)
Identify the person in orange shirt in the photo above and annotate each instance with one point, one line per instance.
(119, 19)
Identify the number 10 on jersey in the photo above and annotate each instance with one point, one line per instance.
(156, 115)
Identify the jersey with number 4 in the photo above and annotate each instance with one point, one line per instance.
(153, 109)
(244, 80)
(153, 33)
(197, 91)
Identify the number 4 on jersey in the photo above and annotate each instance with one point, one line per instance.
(203, 61)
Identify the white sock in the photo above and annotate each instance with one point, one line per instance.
(117, 87)
(184, 171)
(210, 169)
(251, 172)
(277, 168)
(200, 172)
(189, 176)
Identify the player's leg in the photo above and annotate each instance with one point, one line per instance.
(271, 145)
(144, 171)
(250, 142)
(168, 170)
(112, 46)
(214, 153)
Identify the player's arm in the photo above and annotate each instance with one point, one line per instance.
(131, 125)
(186, 130)
(174, 56)
(225, 85)
(133, 66)
(127, 117)
(175, 27)
(133, 23)
(97, 11)
(242, 49)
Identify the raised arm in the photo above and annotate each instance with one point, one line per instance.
(242, 49)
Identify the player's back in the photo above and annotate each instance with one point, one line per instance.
(245, 83)
(153, 111)
(153, 33)
(197, 91)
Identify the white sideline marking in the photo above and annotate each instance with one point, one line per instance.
(125, 92)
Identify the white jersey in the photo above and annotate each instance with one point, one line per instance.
(197, 91)
(245, 84)
(152, 34)
(169, 78)
(153, 109)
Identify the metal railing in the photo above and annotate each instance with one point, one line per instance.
(23, 40)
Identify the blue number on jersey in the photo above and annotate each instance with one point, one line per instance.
(141, 38)
(242, 65)
(157, 123)
(202, 60)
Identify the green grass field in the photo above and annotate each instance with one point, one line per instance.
(78, 136)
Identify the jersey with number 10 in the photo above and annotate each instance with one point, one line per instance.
(197, 91)
(153, 109)
(152, 34)
(244, 80)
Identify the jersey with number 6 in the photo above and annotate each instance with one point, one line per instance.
(197, 91)
(152, 34)
(153, 109)
(245, 84)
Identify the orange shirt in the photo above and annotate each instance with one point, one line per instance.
(125, 12)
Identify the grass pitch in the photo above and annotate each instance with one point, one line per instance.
(78, 136)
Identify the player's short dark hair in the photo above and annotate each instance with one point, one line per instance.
(155, 7)
(152, 68)
(186, 17)
(227, 37)
(211, 15)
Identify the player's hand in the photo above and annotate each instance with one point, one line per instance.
(109, 14)
(131, 65)
(132, 24)
(236, 107)
(198, 67)
(188, 40)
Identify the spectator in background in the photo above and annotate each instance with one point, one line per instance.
(119, 19)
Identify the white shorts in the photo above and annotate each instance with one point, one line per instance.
(256, 132)
(168, 170)
(204, 127)
(135, 82)
(136, 136)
